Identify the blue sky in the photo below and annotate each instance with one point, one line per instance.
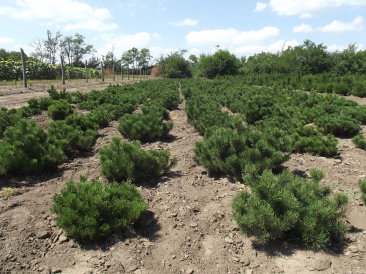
(243, 27)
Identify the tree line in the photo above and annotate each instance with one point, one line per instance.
(75, 52)
(307, 58)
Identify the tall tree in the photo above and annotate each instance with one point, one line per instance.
(144, 58)
(51, 46)
(80, 49)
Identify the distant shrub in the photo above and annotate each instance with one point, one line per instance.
(169, 99)
(59, 110)
(359, 89)
(55, 95)
(26, 148)
(339, 125)
(92, 210)
(360, 141)
(204, 113)
(342, 88)
(144, 127)
(362, 185)
(34, 106)
(44, 103)
(101, 116)
(285, 206)
(127, 161)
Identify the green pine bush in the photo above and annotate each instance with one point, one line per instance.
(76, 132)
(308, 139)
(59, 110)
(26, 148)
(339, 125)
(92, 210)
(127, 161)
(359, 89)
(362, 185)
(7, 118)
(55, 95)
(286, 206)
(144, 127)
(225, 151)
(44, 103)
(360, 141)
(34, 106)
(342, 88)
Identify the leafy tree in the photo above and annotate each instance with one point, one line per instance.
(220, 63)
(51, 46)
(175, 66)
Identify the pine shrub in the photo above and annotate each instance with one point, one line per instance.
(360, 141)
(128, 161)
(308, 139)
(76, 132)
(339, 125)
(34, 106)
(342, 88)
(26, 148)
(7, 118)
(285, 206)
(59, 110)
(362, 185)
(225, 151)
(359, 89)
(144, 127)
(55, 95)
(92, 210)
(44, 103)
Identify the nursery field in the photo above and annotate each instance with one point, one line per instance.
(181, 176)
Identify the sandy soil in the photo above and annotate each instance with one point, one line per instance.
(188, 227)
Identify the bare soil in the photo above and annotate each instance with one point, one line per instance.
(188, 227)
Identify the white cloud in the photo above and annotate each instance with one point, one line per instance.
(335, 26)
(6, 40)
(338, 26)
(260, 6)
(303, 28)
(274, 47)
(306, 16)
(73, 12)
(231, 36)
(91, 25)
(185, 22)
(335, 47)
(301, 7)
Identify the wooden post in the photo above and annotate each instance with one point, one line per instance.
(114, 75)
(86, 70)
(24, 68)
(128, 73)
(62, 70)
(102, 70)
(122, 73)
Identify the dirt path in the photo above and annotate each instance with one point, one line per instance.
(188, 228)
